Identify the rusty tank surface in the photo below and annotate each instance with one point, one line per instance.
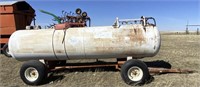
(127, 37)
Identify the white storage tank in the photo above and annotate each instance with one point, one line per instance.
(118, 41)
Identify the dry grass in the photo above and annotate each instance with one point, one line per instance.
(179, 33)
(181, 51)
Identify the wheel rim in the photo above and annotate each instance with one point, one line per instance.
(31, 74)
(135, 73)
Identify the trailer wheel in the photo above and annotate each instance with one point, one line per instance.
(6, 50)
(134, 72)
(33, 72)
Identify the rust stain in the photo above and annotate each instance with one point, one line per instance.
(106, 45)
(137, 35)
(59, 51)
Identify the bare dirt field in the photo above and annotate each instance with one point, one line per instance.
(180, 51)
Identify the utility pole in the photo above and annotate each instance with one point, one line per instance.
(187, 31)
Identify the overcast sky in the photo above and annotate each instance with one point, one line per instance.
(169, 14)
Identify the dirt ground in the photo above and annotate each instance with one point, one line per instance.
(180, 51)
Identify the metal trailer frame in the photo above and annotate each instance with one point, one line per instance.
(117, 65)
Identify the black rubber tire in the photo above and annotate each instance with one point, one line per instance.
(137, 63)
(41, 69)
(6, 50)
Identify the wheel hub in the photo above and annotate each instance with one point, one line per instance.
(135, 73)
(31, 74)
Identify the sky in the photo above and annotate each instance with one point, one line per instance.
(169, 14)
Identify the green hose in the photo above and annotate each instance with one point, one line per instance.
(55, 17)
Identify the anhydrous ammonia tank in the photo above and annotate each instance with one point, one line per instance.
(117, 41)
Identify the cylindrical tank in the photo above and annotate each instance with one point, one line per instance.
(87, 42)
